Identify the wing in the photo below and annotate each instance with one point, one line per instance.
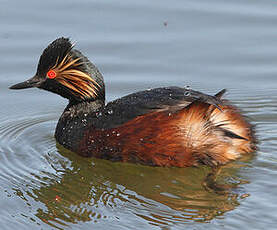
(170, 99)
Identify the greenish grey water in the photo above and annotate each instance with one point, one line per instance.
(207, 44)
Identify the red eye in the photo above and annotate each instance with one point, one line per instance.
(51, 74)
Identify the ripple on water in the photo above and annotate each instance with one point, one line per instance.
(21, 147)
(61, 188)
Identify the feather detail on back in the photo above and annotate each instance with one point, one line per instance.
(196, 134)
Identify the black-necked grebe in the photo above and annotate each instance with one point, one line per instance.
(169, 126)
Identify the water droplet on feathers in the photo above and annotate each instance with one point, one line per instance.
(99, 114)
(187, 93)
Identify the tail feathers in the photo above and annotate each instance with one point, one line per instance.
(208, 104)
(214, 136)
(220, 93)
(236, 128)
(231, 134)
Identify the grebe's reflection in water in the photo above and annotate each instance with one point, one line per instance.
(89, 189)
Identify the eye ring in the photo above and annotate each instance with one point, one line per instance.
(51, 74)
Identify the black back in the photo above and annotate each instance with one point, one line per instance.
(127, 108)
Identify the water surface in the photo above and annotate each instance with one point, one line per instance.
(208, 45)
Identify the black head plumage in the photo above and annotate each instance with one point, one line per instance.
(54, 52)
(67, 72)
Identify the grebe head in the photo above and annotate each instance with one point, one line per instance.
(67, 72)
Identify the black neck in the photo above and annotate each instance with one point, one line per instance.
(83, 107)
(74, 120)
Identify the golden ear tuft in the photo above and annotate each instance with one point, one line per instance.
(73, 78)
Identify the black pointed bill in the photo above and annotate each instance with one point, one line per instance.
(32, 82)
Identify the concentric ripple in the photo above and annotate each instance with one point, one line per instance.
(60, 188)
(22, 148)
(52, 187)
